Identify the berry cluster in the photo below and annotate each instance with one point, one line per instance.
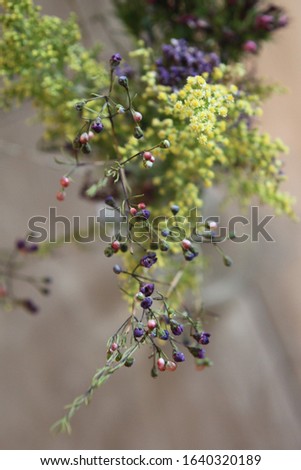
(64, 182)
(159, 327)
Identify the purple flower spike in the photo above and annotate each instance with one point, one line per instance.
(179, 61)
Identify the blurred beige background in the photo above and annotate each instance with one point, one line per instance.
(249, 399)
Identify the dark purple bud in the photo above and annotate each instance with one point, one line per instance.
(138, 332)
(198, 352)
(115, 60)
(32, 247)
(176, 328)
(189, 255)
(110, 201)
(164, 335)
(201, 354)
(30, 306)
(148, 260)
(97, 126)
(146, 213)
(178, 356)
(147, 302)
(202, 338)
(21, 245)
(147, 289)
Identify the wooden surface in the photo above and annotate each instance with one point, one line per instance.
(250, 399)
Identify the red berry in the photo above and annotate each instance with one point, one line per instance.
(186, 244)
(151, 324)
(141, 206)
(114, 347)
(161, 364)
(137, 116)
(60, 195)
(84, 138)
(115, 245)
(152, 159)
(147, 156)
(64, 181)
(133, 211)
(171, 366)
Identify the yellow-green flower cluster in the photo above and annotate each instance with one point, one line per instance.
(214, 136)
(41, 58)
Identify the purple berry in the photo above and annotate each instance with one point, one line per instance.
(165, 232)
(174, 209)
(21, 245)
(147, 302)
(117, 269)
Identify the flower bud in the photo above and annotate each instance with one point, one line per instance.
(227, 261)
(165, 144)
(123, 81)
(138, 133)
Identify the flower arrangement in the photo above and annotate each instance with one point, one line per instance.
(154, 138)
